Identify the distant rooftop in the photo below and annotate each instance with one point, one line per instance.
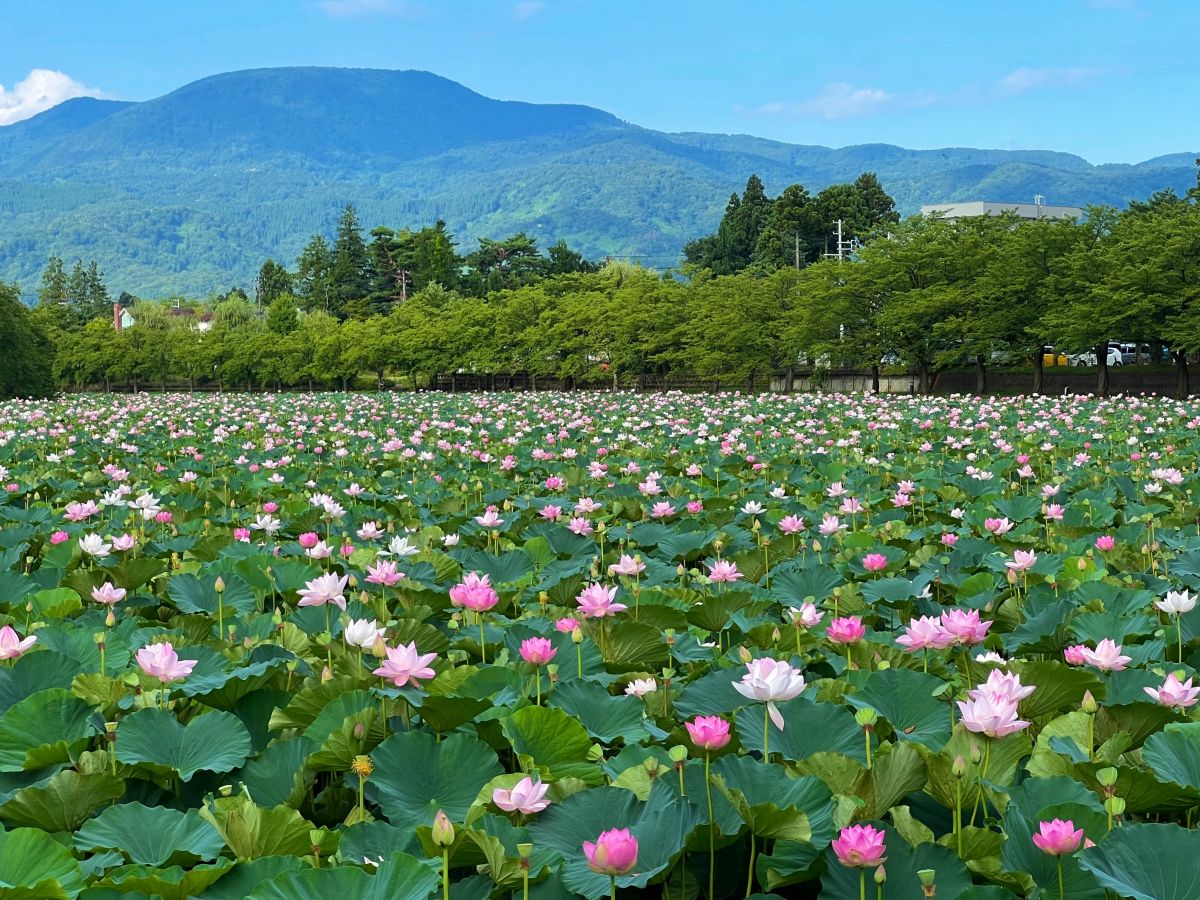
(968, 208)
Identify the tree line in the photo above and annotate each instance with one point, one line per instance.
(923, 293)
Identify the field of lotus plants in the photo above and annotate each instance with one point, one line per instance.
(553, 646)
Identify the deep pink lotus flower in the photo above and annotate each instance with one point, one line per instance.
(614, 853)
(537, 651)
(474, 592)
(964, 626)
(566, 624)
(695, 507)
(58, 537)
(108, 594)
(1105, 542)
(708, 732)
(596, 601)
(526, 797)
(990, 715)
(860, 847)
(384, 573)
(925, 633)
(162, 662)
(327, 588)
(874, 562)
(846, 630)
(1173, 692)
(404, 664)
(1073, 655)
(769, 681)
(723, 571)
(550, 512)
(11, 644)
(1107, 656)
(1058, 837)
(308, 540)
(949, 539)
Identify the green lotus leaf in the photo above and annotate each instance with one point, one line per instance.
(553, 742)
(906, 699)
(1147, 862)
(34, 866)
(213, 742)
(606, 718)
(45, 728)
(251, 832)
(151, 836)
(774, 805)
(808, 728)
(400, 875)
(64, 802)
(415, 776)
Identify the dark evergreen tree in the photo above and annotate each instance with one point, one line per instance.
(273, 281)
(351, 272)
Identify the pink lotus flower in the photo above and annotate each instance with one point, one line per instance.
(860, 847)
(846, 630)
(550, 512)
(662, 510)
(770, 681)
(1173, 692)
(566, 625)
(925, 633)
(791, 525)
(708, 732)
(554, 483)
(1106, 657)
(990, 715)
(1105, 542)
(162, 662)
(404, 664)
(695, 506)
(78, 512)
(308, 540)
(1073, 655)
(58, 537)
(806, 615)
(949, 539)
(997, 526)
(723, 571)
(11, 644)
(874, 562)
(325, 589)
(241, 535)
(1004, 685)
(627, 565)
(384, 573)
(474, 592)
(526, 797)
(490, 518)
(964, 626)
(580, 526)
(614, 853)
(108, 594)
(1022, 561)
(830, 525)
(537, 651)
(1058, 837)
(596, 601)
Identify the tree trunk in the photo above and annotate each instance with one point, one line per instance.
(1039, 370)
(923, 377)
(789, 383)
(875, 378)
(980, 375)
(453, 382)
(1102, 369)
(1183, 381)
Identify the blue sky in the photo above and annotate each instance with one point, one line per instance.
(1110, 80)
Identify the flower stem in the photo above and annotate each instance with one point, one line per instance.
(538, 675)
(862, 884)
(750, 868)
(446, 874)
(1062, 893)
(612, 884)
(482, 645)
(712, 837)
(766, 733)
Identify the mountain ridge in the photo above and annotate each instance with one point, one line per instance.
(189, 192)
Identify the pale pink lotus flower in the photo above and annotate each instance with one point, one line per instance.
(997, 526)
(596, 601)
(806, 615)
(851, 506)
(1106, 657)
(554, 483)
(537, 651)
(830, 525)
(324, 589)
(490, 518)
(580, 526)
(791, 525)
(627, 565)
(640, 687)
(723, 571)
(384, 573)
(662, 510)
(1022, 561)
(615, 852)
(1058, 837)
(404, 664)
(1005, 685)
(587, 505)
(12, 646)
(1073, 655)
(835, 490)
(1177, 602)
(108, 594)
(964, 626)
(362, 633)
(78, 512)
(925, 633)
(846, 630)
(990, 715)
(874, 562)
(860, 847)
(770, 681)
(474, 592)
(1173, 692)
(949, 539)
(370, 531)
(526, 797)
(320, 550)
(162, 662)
(550, 512)
(1054, 512)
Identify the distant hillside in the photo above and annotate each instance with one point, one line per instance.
(190, 192)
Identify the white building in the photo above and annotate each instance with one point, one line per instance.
(1031, 211)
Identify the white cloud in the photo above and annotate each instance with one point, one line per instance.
(840, 100)
(527, 9)
(345, 9)
(1019, 81)
(41, 89)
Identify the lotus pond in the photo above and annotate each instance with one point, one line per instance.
(493, 646)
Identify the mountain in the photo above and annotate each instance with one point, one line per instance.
(190, 192)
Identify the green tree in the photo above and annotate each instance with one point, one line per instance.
(28, 355)
(282, 317)
(273, 281)
(351, 272)
(314, 276)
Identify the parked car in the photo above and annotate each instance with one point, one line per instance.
(1089, 358)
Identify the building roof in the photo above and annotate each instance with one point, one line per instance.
(966, 208)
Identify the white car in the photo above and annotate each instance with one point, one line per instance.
(1089, 358)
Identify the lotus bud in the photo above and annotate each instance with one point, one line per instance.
(110, 620)
(443, 830)
(552, 671)
(577, 635)
(866, 718)
(681, 570)
(1089, 704)
(976, 754)
(1081, 564)
(277, 619)
(926, 877)
(352, 582)
(1107, 776)
(364, 598)
(718, 545)
(651, 766)
(880, 875)
(219, 585)
(775, 635)
(326, 674)
(744, 655)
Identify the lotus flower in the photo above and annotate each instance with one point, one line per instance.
(1177, 603)
(324, 589)
(404, 664)
(596, 601)
(614, 853)
(627, 565)
(770, 681)
(723, 571)
(13, 646)
(990, 715)
(1106, 657)
(964, 626)
(860, 847)
(1058, 837)
(474, 592)
(162, 662)
(708, 732)
(108, 594)
(362, 633)
(1173, 692)
(537, 651)
(525, 797)
(925, 633)
(846, 630)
